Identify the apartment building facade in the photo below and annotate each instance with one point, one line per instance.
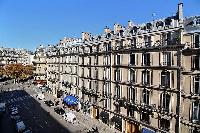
(40, 64)
(13, 56)
(138, 78)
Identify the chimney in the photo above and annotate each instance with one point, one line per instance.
(130, 23)
(85, 36)
(180, 14)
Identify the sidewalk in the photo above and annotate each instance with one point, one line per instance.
(84, 120)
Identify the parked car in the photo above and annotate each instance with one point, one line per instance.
(27, 131)
(69, 117)
(49, 103)
(20, 126)
(59, 110)
(13, 114)
(2, 107)
(16, 118)
(40, 96)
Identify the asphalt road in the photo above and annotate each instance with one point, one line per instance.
(39, 117)
(32, 113)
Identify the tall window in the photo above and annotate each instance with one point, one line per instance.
(165, 79)
(82, 74)
(106, 60)
(118, 95)
(133, 42)
(118, 91)
(197, 41)
(167, 58)
(117, 74)
(95, 85)
(82, 60)
(196, 112)
(132, 59)
(147, 40)
(146, 59)
(196, 85)
(146, 77)
(131, 94)
(146, 96)
(89, 72)
(89, 60)
(105, 73)
(106, 92)
(132, 76)
(165, 124)
(131, 97)
(90, 84)
(145, 117)
(196, 62)
(165, 101)
(96, 60)
(95, 73)
(117, 59)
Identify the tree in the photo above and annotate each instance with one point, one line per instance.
(18, 71)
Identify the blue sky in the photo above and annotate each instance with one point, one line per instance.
(29, 23)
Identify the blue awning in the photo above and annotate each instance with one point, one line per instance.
(71, 100)
(146, 130)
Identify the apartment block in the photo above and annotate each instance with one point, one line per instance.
(135, 78)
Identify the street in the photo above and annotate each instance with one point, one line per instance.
(33, 115)
(40, 118)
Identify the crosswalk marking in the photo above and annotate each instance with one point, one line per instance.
(18, 99)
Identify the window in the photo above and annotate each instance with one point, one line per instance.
(106, 92)
(145, 117)
(118, 96)
(118, 91)
(117, 59)
(82, 72)
(95, 86)
(89, 72)
(132, 59)
(196, 85)
(133, 42)
(131, 94)
(145, 77)
(117, 75)
(165, 101)
(166, 58)
(198, 21)
(165, 79)
(146, 96)
(132, 76)
(82, 60)
(196, 112)
(146, 59)
(96, 60)
(106, 73)
(165, 124)
(196, 62)
(106, 60)
(89, 60)
(197, 41)
(90, 84)
(169, 38)
(147, 40)
(96, 73)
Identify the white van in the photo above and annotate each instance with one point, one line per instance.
(2, 107)
(69, 117)
(20, 126)
(40, 96)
